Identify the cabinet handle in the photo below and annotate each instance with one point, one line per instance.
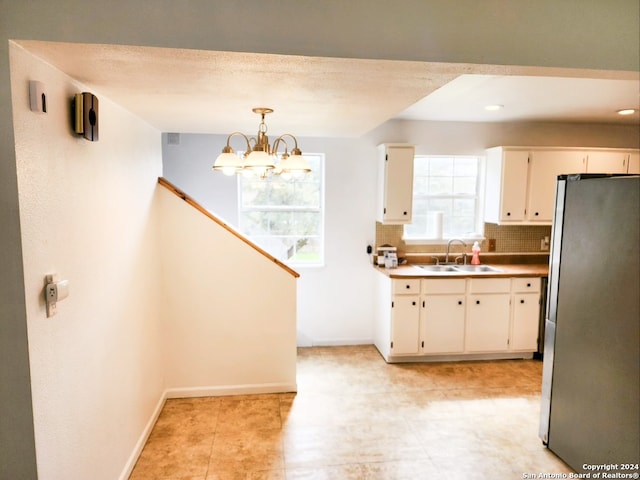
(423, 304)
(521, 301)
(408, 287)
(528, 284)
(459, 302)
(536, 214)
(413, 303)
(404, 213)
(508, 214)
(477, 302)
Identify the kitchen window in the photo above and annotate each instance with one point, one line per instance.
(446, 199)
(286, 216)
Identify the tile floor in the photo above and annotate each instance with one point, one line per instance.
(355, 417)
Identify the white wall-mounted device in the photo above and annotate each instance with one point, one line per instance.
(37, 97)
(54, 291)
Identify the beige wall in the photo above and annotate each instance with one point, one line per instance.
(163, 301)
(229, 313)
(86, 214)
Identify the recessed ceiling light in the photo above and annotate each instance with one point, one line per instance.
(627, 111)
(493, 108)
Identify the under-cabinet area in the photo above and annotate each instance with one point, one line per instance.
(429, 319)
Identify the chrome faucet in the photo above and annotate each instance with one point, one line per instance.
(446, 258)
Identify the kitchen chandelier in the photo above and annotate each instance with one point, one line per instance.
(261, 159)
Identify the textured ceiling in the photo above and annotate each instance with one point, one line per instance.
(196, 91)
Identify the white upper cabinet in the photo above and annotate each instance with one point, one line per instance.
(506, 192)
(613, 161)
(395, 183)
(634, 163)
(521, 181)
(544, 169)
(607, 162)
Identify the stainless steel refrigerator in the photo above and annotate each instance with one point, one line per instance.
(590, 411)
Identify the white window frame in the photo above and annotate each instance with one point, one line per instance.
(320, 209)
(479, 215)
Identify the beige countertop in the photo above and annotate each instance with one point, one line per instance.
(507, 270)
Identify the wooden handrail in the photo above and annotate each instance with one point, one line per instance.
(173, 189)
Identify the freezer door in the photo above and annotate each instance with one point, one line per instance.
(552, 296)
(595, 386)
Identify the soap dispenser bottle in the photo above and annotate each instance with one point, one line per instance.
(475, 259)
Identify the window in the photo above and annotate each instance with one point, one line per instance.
(286, 217)
(446, 198)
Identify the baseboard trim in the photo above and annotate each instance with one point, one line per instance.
(226, 390)
(341, 342)
(458, 358)
(133, 458)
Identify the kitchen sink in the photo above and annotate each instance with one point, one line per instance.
(438, 268)
(453, 269)
(477, 268)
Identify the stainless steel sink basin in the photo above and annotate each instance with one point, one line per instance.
(439, 268)
(476, 268)
(459, 269)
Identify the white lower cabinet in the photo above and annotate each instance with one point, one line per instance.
(487, 326)
(457, 317)
(405, 324)
(442, 316)
(525, 314)
(487, 323)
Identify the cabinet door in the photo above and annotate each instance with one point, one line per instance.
(543, 173)
(487, 328)
(633, 163)
(526, 315)
(405, 325)
(506, 185)
(397, 184)
(514, 186)
(607, 162)
(442, 324)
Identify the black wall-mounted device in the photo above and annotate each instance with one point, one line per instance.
(85, 112)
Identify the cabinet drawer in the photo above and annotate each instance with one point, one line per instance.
(526, 284)
(489, 285)
(433, 286)
(406, 286)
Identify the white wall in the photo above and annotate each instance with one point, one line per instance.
(593, 35)
(197, 153)
(229, 311)
(86, 213)
(331, 306)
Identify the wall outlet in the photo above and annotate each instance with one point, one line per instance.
(492, 244)
(544, 244)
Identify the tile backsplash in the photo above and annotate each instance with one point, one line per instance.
(509, 238)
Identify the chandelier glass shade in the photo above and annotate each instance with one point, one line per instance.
(260, 158)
